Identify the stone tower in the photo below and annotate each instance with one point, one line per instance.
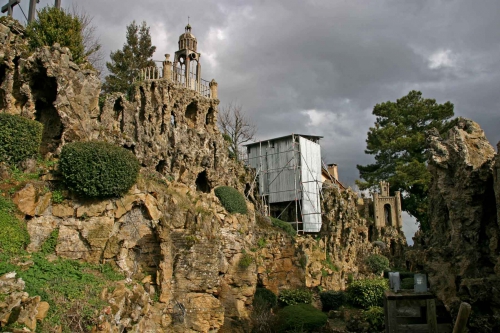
(184, 59)
(387, 209)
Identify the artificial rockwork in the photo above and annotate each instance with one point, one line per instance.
(461, 251)
(190, 266)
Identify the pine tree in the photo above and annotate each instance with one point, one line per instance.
(126, 63)
(398, 143)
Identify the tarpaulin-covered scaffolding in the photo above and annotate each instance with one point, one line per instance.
(289, 178)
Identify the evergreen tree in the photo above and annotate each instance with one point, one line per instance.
(398, 143)
(126, 63)
(54, 25)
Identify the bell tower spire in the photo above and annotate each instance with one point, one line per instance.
(187, 67)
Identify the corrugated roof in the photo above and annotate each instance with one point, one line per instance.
(282, 137)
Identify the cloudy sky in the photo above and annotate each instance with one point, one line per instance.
(319, 66)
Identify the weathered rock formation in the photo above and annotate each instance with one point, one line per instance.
(461, 252)
(16, 306)
(170, 230)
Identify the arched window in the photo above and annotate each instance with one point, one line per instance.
(388, 214)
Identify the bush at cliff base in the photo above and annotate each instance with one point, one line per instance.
(367, 293)
(265, 298)
(232, 200)
(300, 318)
(20, 138)
(374, 316)
(98, 169)
(294, 296)
(332, 300)
(377, 263)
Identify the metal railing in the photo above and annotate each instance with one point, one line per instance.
(178, 77)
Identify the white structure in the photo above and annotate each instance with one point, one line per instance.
(289, 175)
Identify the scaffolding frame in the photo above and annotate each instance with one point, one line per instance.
(296, 163)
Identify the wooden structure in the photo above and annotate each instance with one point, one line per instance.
(425, 305)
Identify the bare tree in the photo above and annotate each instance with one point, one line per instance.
(236, 127)
(91, 41)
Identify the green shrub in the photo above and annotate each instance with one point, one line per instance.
(245, 260)
(408, 283)
(232, 200)
(57, 197)
(20, 138)
(366, 293)
(332, 300)
(377, 263)
(13, 234)
(285, 226)
(294, 296)
(374, 316)
(98, 169)
(264, 297)
(300, 318)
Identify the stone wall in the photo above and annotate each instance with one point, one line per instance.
(461, 251)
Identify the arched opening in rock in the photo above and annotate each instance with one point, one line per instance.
(44, 90)
(202, 182)
(370, 233)
(191, 113)
(172, 119)
(210, 118)
(161, 166)
(142, 112)
(118, 109)
(393, 247)
(388, 214)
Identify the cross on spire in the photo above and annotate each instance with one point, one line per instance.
(10, 6)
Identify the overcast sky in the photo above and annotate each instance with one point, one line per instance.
(319, 66)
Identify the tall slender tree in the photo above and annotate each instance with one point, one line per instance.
(126, 63)
(398, 143)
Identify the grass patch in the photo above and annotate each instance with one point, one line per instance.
(285, 226)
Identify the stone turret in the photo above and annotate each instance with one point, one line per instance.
(386, 208)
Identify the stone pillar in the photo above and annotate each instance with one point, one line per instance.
(399, 219)
(167, 68)
(198, 75)
(213, 89)
(187, 71)
(375, 210)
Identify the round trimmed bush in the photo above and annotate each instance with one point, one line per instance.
(20, 138)
(98, 169)
(366, 293)
(232, 200)
(377, 263)
(332, 300)
(303, 317)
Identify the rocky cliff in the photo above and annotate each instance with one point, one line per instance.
(461, 252)
(170, 232)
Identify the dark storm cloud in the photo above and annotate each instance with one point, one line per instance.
(319, 67)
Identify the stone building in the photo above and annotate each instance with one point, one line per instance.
(387, 208)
